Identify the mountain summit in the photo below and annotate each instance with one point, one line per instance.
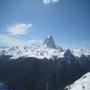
(49, 42)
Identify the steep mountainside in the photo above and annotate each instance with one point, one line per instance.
(82, 84)
(42, 74)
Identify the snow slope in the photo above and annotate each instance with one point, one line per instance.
(82, 84)
(33, 50)
(79, 51)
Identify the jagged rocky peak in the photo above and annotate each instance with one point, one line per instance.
(49, 42)
(68, 54)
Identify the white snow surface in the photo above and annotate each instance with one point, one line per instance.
(82, 84)
(80, 51)
(32, 50)
(40, 51)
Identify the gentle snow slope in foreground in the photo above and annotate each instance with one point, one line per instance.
(82, 84)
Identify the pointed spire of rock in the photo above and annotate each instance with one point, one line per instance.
(49, 42)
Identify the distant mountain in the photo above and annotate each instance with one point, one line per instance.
(49, 42)
(81, 84)
(68, 54)
(47, 49)
(81, 51)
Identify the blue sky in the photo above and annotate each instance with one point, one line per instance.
(68, 21)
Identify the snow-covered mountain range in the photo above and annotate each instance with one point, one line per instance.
(82, 84)
(47, 49)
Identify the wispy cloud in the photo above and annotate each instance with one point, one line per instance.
(46, 2)
(10, 41)
(19, 29)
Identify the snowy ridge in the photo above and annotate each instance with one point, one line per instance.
(80, 51)
(47, 49)
(82, 84)
(40, 51)
(33, 50)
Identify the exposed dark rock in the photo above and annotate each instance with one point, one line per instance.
(37, 74)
